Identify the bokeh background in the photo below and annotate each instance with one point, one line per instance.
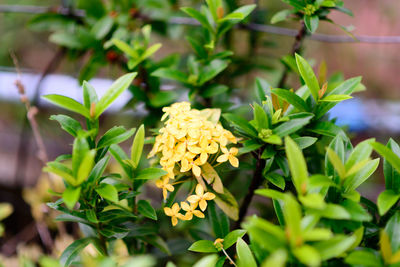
(375, 112)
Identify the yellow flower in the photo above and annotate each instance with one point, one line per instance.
(164, 184)
(187, 164)
(205, 148)
(200, 197)
(229, 155)
(191, 210)
(173, 212)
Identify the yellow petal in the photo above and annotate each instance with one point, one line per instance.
(203, 158)
(198, 213)
(169, 187)
(194, 149)
(203, 204)
(233, 151)
(208, 196)
(233, 161)
(188, 216)
(196, 170)
(174, 221)
(193, 199)
(185, 206)
(168, 211)
(165, 193)
(175, 208)
(222, 158)
(199, 190)
(212, 148)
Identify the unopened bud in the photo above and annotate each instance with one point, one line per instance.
(93, 110)
(220, 12)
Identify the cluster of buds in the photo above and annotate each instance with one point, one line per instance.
(189, 140)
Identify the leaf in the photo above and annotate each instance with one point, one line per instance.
(334, 211)
(108, 192)
(124, 47)
(151, 50)
(211, 70)
(219, 221)
(277, 258)
(262, 89)
(145, 208)
(276, 180)
(308, 76)
(67, 39)
(85, 167)
(61, 170)
(386, 200)
(292, 126)
(291, 98)
(198, 16)
(5, 210)
(89, 95)
(311, 22)
(137, 146)
(214, 89)
(335, 98)
(212, 177)
(281, 16)
(297, 165)
(73, 250)
(241, 124)
(260, 117)
(119, 86)
(232, 237)
(205, 246)
(392, 228)
(71, 196)
(363, 258)
(336, 162)
(270, 193)
(162, 98)
(228, 204)
(150, 173)
(245, 257)
(307, 255)
(68, 124)
(356, 211)
(102, 27)
(334, 247)
(305, 141)
(115, 135)
(355, 180)
(360, 153)
(392, 176)
(79, 150)
(68, 104)
(171, 74)
(207, 261)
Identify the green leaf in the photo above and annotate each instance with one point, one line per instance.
(108, 192)
(232, 237)
(211, 70)
(228, 204)
(205, 246)
(5, 210)
(61, 170)
(262, 89)
(297, 165)
(98, 170)
(276, 180)
(115, 135)
(208, 261)
(137, 146)
(270, 193)
(334, 247)
(305, 141)
(245, 257)
(67, 123)
(388, 154)
(292, 215)
(308, 76)
(145, 208)
(291, 98)
(281, 16)
(392, 228)
(335, 98)
(336, 162)
(121, 157)
(73, 250)
(311, 23)
(334, 211)
(199, 17)
(364, 258)
(392, 176)
(241, 124)
(307, 255)
(119, 86)
(171, 74)
(244, 11)
(355, 180)
(162, 98)
(313, 201)
(85, 166)
(356, 211)
(71, 196)
(260, 117)
(124, 47)
(386, 200)
(102, 27)
(68, 104)
(69, 40)
(79, 150)
(292, 126)
(150, 173)
(214, 89)
(89, 95)
(277, 258)
(151, 50)
(219, 220)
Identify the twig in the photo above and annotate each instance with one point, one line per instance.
(327, 38)
(255, 183)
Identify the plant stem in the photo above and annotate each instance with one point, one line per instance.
(295, 49)
(255, 183)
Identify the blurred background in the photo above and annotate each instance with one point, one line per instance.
(374, 112)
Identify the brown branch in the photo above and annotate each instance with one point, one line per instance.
(255, 183)
(327, 38)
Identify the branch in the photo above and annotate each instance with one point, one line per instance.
(320, 37)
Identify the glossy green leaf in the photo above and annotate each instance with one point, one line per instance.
(68, 104)
(260, 117)
(89, 95)
(281, 16)
(291, 98)
(297, 165)
(245, 257)
(334, 247)
(119, 86)
(198, 16)
(241, 124)
(73, 250)
(355, 180)
(205, 246)
(171, 74)
(392, 176)
(137, 146)
(292, 126)
(71, 196)
(307, 255)
(144, 207)
(308, 76)
(392, 228)
(115, 135)
(365, 258)
(68, 124)
(386, 200)
(150, 173)
(102, 27)
(85, 166)
(311, 22)
(108, 192)
(335, 98)
(207, 261)
(232, 237)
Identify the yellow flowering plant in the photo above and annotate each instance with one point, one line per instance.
(190, 145)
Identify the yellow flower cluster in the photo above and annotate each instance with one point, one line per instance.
(188, 140)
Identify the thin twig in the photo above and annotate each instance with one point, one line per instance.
(320, 37)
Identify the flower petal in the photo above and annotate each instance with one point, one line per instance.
(199, 190)
(233, 161)
(222, 158)
(193, 199)
(203, 204)
(198, 213)
(185, 206)
(208, 196)
(174, 221)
